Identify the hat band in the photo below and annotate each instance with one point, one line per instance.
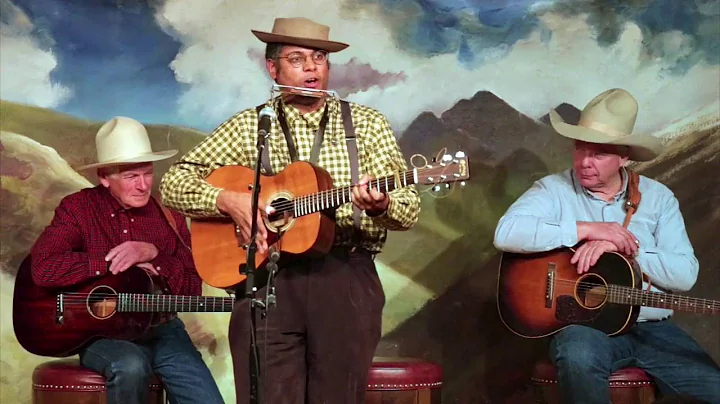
(601, 127)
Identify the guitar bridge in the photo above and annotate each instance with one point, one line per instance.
(550, 285)
(59, 308)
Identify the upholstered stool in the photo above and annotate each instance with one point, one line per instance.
(627, 386)
(404, 381)
(64, 381)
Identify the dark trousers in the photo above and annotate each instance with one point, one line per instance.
(586, 357)
(316, 345)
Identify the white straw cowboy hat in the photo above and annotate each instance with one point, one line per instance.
(609, 118)
(300, 32)
(124, 140)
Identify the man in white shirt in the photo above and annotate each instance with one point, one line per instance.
(584, 206)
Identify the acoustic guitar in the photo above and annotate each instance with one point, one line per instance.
(540, 294)
(302, 195)
(59, 323)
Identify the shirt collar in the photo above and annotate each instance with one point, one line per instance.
(617, 197)
(111, 206)
(312, 118)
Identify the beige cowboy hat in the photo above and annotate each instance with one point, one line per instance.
(609, 118)
(301, 32)
(124, 140)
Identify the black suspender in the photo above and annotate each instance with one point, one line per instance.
(351, 142)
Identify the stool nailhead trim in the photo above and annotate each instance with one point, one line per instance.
(410, 385)
(612, 384)
(81, 387)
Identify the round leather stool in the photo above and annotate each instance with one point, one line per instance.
(64, 381)
(627, 386)
(404, 380)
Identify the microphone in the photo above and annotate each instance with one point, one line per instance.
(266, 115)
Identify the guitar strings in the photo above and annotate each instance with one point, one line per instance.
(625, 292)
(390, 181)
(289, 205)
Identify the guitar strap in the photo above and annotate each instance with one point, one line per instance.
(632, 203)
(351, 142)
(171, 221)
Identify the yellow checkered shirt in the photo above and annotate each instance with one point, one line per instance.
(234, 143)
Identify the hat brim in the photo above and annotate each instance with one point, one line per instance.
(642, 147)
(330, 46)
(144, 158)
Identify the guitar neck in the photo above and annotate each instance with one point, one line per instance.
(131, 302)
(625, 295)
(335, 197)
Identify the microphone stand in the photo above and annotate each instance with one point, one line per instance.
(249, 271)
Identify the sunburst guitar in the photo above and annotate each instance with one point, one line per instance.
(540, 294)
(302, 195)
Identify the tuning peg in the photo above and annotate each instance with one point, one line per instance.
(460, 154)
(447, 157)
(462, 183)
(436, 188)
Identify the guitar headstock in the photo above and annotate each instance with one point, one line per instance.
(448, 169)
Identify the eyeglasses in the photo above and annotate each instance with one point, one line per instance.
(297, 59)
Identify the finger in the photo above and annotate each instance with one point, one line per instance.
(123, 263)
(113, 252)
(632, 241)
(358, 199)
(377, 196)
(577, 254)
(585, 260)
(365, 196)
(623, 244)
(116, 260)
(365, 179)
(595, 256)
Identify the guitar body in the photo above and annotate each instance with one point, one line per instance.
(540, 294)
(48, 326)
(217, 252)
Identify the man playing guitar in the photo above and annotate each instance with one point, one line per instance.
(585, 207)
(317, 344)
(103, 231)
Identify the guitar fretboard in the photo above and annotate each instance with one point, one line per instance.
(319, 201)
(636, 297)
(131, 302)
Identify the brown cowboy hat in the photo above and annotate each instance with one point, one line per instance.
(301, 32)
(609, 118)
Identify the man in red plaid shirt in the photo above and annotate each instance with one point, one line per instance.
(105, 230)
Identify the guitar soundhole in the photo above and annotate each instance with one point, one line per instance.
(591, 291)
(102, 302)
(283, 217)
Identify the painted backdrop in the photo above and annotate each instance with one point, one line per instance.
(476, 76)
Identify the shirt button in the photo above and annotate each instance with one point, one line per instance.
(112, 215)
(132, 220)
(158, 268)
(97, 272)
(125, 231)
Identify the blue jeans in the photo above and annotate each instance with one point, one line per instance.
(585, 358)
(167, 351)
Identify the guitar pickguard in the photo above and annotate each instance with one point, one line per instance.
(567, 310)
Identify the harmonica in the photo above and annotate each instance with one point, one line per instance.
(307, 92)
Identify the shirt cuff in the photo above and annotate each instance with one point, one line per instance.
(568, 233)
(98, 265)
(387, 219)
(563, 234)
(209, 198)
(162, 262)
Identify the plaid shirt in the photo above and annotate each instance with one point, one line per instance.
(89, 223)
(234, 143)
